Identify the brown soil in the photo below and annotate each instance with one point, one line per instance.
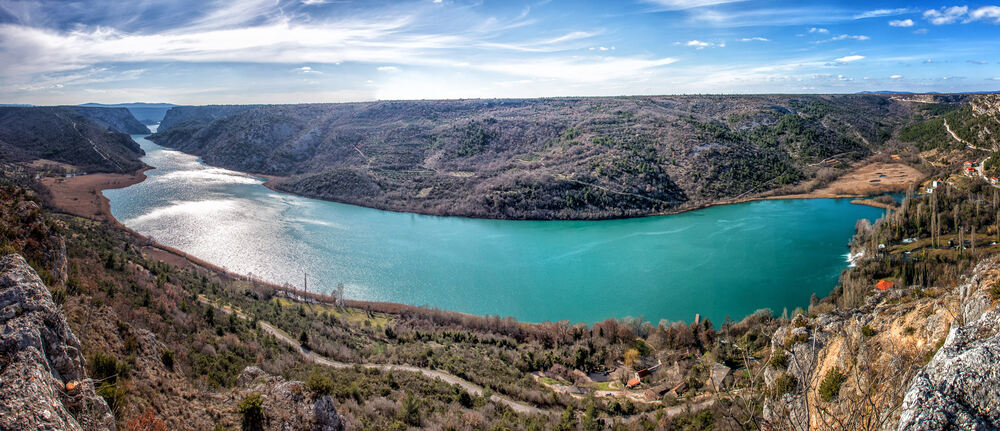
(867, 180)
(81, 196)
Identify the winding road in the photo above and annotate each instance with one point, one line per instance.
(314, 357)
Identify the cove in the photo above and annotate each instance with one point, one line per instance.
(720, 261)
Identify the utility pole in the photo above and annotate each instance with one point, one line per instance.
(305, 282)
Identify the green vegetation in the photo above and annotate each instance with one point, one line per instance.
(868, 331)
(928, 135)
(829, 388)
(252, 412)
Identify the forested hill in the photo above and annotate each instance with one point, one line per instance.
(64, 135)
(564, 158)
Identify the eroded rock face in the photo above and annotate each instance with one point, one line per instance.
(43, 381)
(958, 389)
(287, 405)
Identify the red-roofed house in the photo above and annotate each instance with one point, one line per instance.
(883, 285)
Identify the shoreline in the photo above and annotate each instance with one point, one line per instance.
(88, 184)
(271, 179)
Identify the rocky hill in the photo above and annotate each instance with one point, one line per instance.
(62, 134)
(572, 158)
(116, 119)
(145, 113)
(43, 375)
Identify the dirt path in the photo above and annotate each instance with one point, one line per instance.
(314, 357)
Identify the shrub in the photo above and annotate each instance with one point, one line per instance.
(995, 291)
(167, 357)
(410, 411)
(319, 384)
(304, 339)
(252, 412)
(829, 388)
(785, 383)
(114, 395)
(868, 331)
(105, 367)
(778, 359)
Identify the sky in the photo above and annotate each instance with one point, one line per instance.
(304, 51)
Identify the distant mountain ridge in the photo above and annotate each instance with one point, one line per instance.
(146, 113)
(559, 158)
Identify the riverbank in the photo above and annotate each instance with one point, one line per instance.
(867, 180)
(81, 195)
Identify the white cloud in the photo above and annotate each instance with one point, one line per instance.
(698, 44)
(988, 13)
(579, 70)
(688, 4)
(896, 77)
(849, 58)
(387, 69)
(307, 69)
(850, 36)
(901, 23)
(945, 15)
(844, 78)
(755, 39)
(818, 30)
(881, 12)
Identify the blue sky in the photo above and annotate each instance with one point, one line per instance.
(295, 51)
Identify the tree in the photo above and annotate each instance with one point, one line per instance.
(631, 356)
(304, 339)
(252, 412)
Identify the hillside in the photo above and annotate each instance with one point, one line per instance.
(116, 119)
(572, 158)
(63, 135)
(172, 342)
(145, 113)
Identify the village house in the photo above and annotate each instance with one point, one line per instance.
(720, 377)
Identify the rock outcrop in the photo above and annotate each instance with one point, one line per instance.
(44, 385)
(958, 388)
(287, 405)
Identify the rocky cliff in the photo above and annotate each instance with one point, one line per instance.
(958, 388)
(116, 119)
(43, 379)
(572, 158)
(63, 135)
(905, 358)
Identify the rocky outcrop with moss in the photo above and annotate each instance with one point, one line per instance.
(43, 382)
(279, 404)
(958, 388)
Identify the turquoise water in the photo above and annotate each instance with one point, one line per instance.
(719, 261)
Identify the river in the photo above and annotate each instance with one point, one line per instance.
(721, 261)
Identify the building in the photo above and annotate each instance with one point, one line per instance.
(656, 392)
(633, 382)
(720, 378)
